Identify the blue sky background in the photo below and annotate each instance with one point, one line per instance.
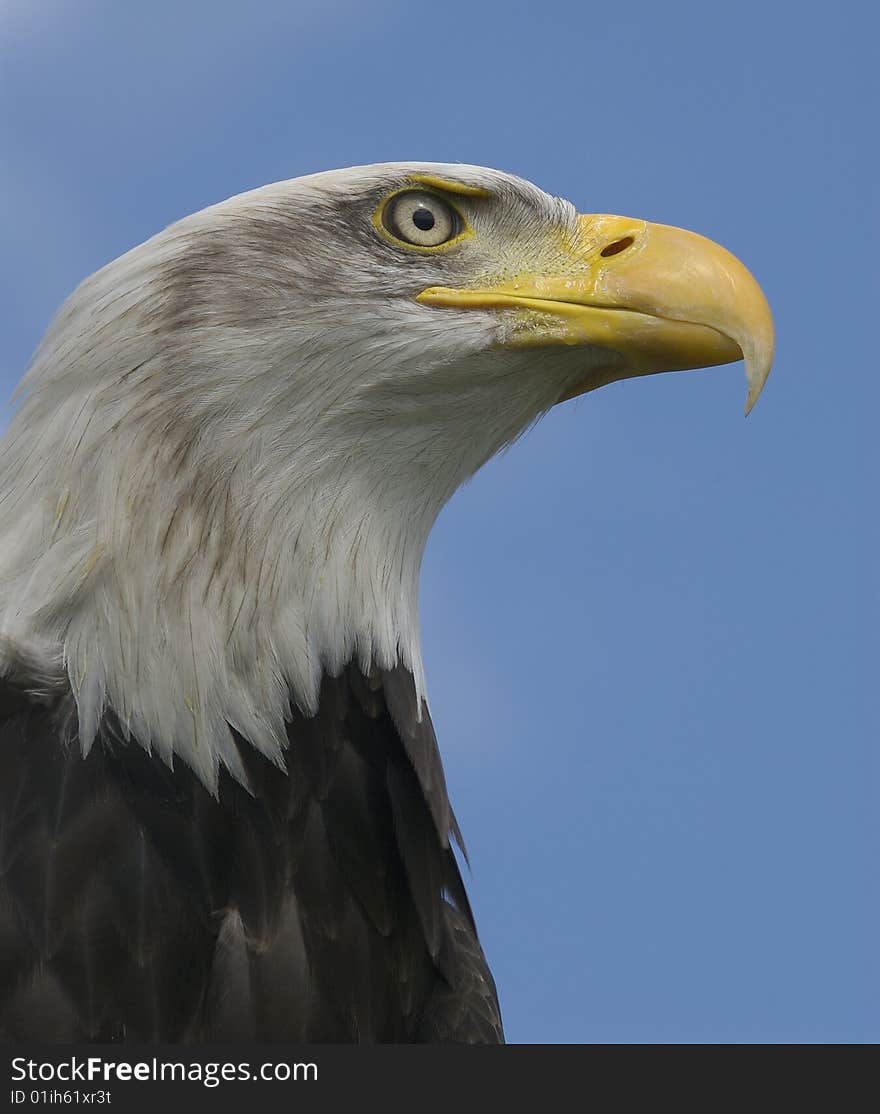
(651, 627)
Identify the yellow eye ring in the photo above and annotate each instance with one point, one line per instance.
(412, 217)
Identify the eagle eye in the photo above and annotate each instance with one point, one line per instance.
(422, 219)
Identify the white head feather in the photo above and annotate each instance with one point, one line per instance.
(233, 443)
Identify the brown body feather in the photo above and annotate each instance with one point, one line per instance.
(323, 903)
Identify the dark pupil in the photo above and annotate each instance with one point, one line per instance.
(423, 219)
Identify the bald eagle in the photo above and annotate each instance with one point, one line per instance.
(223, 813)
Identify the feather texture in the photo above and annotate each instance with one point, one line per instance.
(321, 904)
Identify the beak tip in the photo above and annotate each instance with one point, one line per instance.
(757, 370)
(756, 388)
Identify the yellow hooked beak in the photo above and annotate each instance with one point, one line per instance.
(657, 298)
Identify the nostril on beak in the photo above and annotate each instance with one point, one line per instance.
(617, 247)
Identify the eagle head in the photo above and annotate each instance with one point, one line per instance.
(234, 439)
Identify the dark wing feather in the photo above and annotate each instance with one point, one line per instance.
(464, 1006)
(322, 904)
